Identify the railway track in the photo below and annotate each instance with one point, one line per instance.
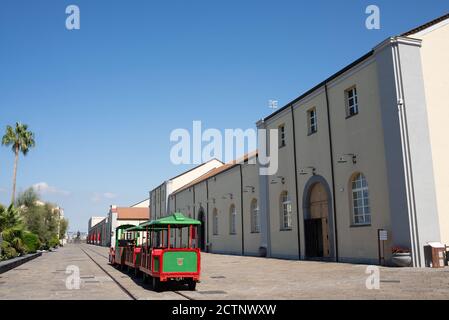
(110, 275)
(117, 282)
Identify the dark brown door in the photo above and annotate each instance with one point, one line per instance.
(319, 209)
(314, 238)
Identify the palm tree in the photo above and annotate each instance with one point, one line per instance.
(9, 218)
(21, 140)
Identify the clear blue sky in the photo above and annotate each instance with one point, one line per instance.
(103, 100)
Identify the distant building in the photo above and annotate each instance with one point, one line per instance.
(102, 229)
(160, 205)
(93, 221)
(142, 204)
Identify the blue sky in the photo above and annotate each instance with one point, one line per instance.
(103, 100)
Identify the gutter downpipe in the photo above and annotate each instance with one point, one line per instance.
(331, 150)
(296, 181)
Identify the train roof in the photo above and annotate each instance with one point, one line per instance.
(136, 228)
(124, 227)
(176, 219)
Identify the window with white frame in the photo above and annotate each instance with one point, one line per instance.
(312, 118)
(215, 222)
(255, 217)
(286, 211)
(360, 200)
(281, 129)
(232, 220)
(352, 106)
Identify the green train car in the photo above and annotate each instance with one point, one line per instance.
(163, 250)
(170, 252)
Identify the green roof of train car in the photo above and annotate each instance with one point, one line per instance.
(176, 219)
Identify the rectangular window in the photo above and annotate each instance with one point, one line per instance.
(286, 217)
(281, 129)
(352, 106)
(312, 118)
(215, 222)
(232, 229)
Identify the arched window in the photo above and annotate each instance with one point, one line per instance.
(286, 211)
(360, 200)
(215, 222)
(255, 217)
(232, 220)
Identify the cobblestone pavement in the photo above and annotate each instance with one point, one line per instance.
(223, 277)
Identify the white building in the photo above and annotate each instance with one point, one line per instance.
(159, 195)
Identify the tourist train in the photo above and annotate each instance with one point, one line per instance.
(163, 251)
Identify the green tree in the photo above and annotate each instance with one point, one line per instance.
(9, 218)
(21, 140)
(27, 199)
(63, 226)
(12, 231)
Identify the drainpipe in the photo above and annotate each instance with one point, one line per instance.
(296, 182)
(331, 150)
(207, 215)
(241, 208)
(264, 209)
(193, 205)
(175, 208)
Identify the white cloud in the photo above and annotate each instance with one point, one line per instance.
(109, 195)
(44, 188)
(97, 197)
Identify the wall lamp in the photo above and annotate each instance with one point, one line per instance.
(343, 158)
(280, 178)
(250, 189)
(307, 170)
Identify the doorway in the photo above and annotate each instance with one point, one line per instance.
(316, 223)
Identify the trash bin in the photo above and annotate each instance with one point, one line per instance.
(435, 255)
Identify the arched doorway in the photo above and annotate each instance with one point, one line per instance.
(318, 219)
(202, 231)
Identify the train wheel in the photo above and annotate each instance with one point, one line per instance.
(192, 285)
(156, 284)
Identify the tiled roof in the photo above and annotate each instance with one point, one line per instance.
(133, 213)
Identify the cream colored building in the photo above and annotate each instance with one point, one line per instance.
(360, 154)
(362, 151)
(225, 199)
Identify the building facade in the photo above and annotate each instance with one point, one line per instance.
(360, 154)
(102, 229)
(159, 195)
(225, 200)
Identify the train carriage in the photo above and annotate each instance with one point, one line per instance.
(133, 250)
(167, 255)
(123, 240)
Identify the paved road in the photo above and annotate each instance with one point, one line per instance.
(45, 278)
(223, 277)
